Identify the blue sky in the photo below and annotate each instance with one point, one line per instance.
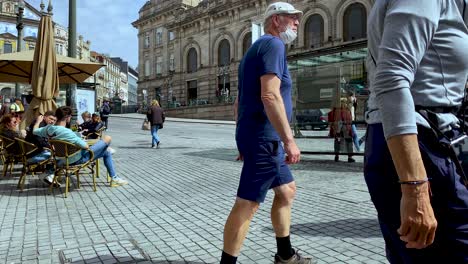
(106, 23)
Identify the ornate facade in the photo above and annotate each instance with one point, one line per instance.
(189, 51)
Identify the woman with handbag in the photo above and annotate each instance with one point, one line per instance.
(156, 117)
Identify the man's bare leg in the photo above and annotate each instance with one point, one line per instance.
(237, 225)
(281, 217)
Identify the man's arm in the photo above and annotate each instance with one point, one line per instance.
(410, 167)
(276, 113)
(39, 131)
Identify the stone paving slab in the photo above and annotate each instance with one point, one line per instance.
(177, 201)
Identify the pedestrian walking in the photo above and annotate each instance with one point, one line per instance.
(352, 106)
(264, 110)
(418, 66)
(340, 129)
(105, 111)
(156, 118)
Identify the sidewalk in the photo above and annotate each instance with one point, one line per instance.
(173, 119)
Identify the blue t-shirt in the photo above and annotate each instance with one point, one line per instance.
(266, 56)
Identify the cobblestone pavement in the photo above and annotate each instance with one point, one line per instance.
(174, 208)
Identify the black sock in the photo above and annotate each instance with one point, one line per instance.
(285, 250)
(227, 259)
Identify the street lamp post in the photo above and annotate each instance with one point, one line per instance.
(169, 88)
(19, 44)
(145, 103)
(71, 89)
(224, 71)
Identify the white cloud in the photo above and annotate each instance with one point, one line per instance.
(106, 23)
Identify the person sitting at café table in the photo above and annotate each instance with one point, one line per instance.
(60, 132)
(86, 116)
(42, 153)
(92, 127)
(9, 126)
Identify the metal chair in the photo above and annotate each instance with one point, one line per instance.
(10, 154)
(26, 149)
(62, 152)
(96, 135)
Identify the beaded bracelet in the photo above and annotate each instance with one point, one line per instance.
(414, 182)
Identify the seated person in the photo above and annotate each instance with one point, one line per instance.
(42, 154)
(9, 125)
(93, 127)
(86, 116)
(60, 132)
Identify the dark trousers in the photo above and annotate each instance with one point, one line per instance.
(348, 142)
(449, 199)
(105, 120)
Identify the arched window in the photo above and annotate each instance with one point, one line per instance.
(246, 43)
(354, 22)
(192, 63)
(314, 31)
(224, 53)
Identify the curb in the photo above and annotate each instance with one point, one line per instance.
(181, 120)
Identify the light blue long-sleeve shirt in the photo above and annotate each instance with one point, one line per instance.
(418, 56)
(62, 133)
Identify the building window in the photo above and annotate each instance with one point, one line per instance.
(158, 65)
(354, 22)
(147, 68)
(171, 62)
(224, 53)
(192, 90)
(171, 35)
(159, 35)
(314, 32)
(157, 94)
(7, 48)
(147, 40)
(192, 63)
(246, 43)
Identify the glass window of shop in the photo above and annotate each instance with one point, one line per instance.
(321, 80)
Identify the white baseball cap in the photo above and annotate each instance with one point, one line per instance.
(281, 8)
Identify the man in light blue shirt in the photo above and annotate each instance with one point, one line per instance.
(60, 132)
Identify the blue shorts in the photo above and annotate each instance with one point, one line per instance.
(264, 168)
(449, 200)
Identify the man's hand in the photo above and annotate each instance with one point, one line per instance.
(418, 223)
(239, 157)
(293, 154)
(39, 119)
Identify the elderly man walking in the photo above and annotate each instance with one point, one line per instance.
(264, 109)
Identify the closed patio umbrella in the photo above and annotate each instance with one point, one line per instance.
(44, 73)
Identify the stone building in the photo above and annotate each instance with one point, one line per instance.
(108, 78)
(189, 52)
(31, 17)
(132, 86)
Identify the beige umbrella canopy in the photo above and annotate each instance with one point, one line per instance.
(17, 67)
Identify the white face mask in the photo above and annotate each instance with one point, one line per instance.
(288, 36)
